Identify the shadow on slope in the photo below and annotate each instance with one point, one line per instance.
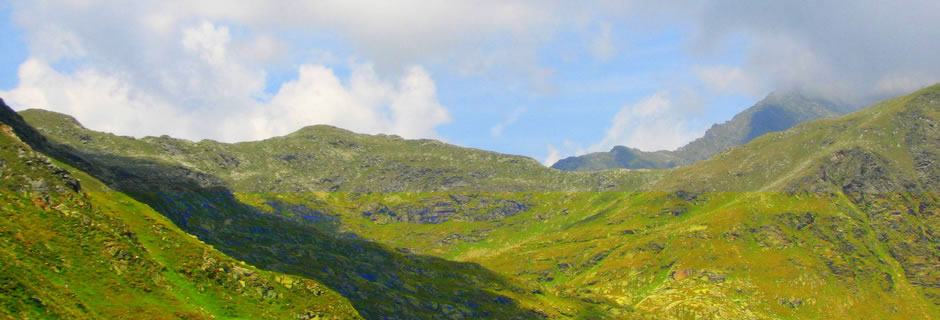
(66, 253)
(380, 283)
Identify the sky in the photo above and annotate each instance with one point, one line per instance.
(545, 79)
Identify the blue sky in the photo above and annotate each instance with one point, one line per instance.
(13, 49)
(539, 78)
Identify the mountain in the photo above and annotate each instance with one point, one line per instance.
(322, 158)
(889, 147)
(620, 157)
(776, 112)
(375, 281)
(71, 250)
(834, 218)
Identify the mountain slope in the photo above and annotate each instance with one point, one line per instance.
(776, 112)
(324, 158)
(755, 255)
(71, 250)
(621, 157)
(889, 147)
(836, 218)
(379, 281)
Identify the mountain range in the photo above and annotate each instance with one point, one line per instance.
(832, 218)
(776, 112)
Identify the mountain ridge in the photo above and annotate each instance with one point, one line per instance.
(834, 218)
(82, 251)
(334, 159)
(890, 136)
(776, 112)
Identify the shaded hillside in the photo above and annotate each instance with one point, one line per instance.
(776, 112)
(380, 282)
(70, 251)
(753, 255)
(836, 218)
(850, 233)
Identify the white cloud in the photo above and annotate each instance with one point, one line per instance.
(208, 41)
(209, 92)
(654, 123)
(104, 101)
(180, 59)
(209, 60)
(497, 130)
(839, 49)
(367, 104)
(415, 109)
(552, 157)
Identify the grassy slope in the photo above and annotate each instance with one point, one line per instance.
(620, 157)
(718, 254)
(324, 158)
(658, 254)
(379, 281)
(891, 146)
(739, 255)
(80, 252)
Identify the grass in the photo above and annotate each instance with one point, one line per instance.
(99, 254)
(831, 219)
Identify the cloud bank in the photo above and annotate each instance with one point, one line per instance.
(205, 90)
(853, 50)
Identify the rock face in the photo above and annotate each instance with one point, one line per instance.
(31, 170)
(777, 112)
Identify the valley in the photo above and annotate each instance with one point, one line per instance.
(833, 218)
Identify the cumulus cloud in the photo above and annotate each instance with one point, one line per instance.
(209, 60)
(101, 100)
(656, 122)
(366, 104)
(207, 91)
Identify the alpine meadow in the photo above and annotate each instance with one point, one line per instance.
(330, 160)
